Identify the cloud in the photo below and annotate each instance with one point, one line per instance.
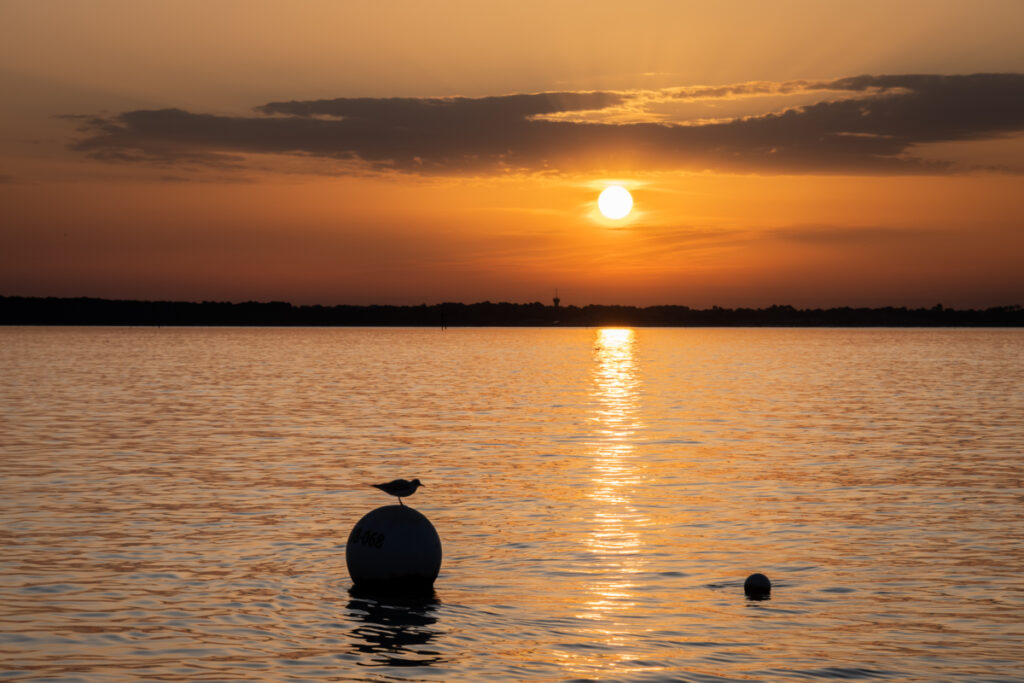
(861, 125)
(445, 111)
(852, 236)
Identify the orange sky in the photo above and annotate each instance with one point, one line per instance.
(236, 151)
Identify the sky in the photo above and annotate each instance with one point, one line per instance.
(803, 153)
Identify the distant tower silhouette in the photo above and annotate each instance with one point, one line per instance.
(556, 299)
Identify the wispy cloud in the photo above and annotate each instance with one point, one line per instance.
(858, 125)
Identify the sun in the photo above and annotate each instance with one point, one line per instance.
(615, 202)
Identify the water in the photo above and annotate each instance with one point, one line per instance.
(175, 503)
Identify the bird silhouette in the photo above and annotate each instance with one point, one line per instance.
(399, 488)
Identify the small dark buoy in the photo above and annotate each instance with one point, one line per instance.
(394, 549)
(757, 586)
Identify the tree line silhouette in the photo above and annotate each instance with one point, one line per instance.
(15, 310)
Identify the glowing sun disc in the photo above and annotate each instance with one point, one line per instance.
(615, 202)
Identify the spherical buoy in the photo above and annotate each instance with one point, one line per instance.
(394, 549)
(757, 586)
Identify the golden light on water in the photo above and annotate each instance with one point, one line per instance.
(616, 523)
(601, 495)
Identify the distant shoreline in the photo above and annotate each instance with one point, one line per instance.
(87, 311)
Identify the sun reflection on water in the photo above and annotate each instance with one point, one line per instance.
(616, 523)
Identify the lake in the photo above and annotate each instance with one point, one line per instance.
(176, 502)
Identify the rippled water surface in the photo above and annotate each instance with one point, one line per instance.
(175, 503)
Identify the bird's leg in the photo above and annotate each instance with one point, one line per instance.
(400, 501)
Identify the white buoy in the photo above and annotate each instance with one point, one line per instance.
(394, 548)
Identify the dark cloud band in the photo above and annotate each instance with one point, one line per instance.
(873, 131)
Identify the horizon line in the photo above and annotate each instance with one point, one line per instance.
(776, 306)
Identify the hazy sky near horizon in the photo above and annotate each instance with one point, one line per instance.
(793, 152)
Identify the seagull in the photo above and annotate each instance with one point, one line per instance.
(399, 488)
